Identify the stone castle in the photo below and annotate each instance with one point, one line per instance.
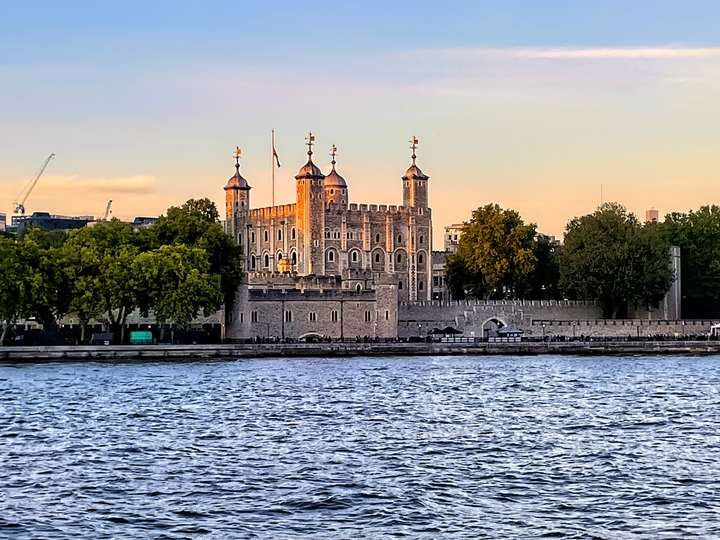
(344, 255)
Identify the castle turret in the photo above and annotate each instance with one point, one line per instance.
(310, 215)
(336, 190)
(237, 200)
(415, 183)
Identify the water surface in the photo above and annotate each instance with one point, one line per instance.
(458, 447)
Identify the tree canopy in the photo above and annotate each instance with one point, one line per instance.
(697, 233)
(610, 257)
(496, 255)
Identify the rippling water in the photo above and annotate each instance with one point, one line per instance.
(462, 447)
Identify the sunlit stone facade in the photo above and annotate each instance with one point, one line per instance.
(322, 234)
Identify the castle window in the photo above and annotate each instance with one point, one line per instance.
(292, 233)
(267, 235)
(358, 288)
(254, 316)
(334, 315)
(327, 234)
(354, 256)
(312, 316)
(400, 285)
(421, 259)
(279, 236)
(293, 257)
(331, 256)
(377, 238)
(288, 316)
(399, 258)
(377, 257)
(267, 261)
(387, 315)
(399, 239)
(252, 237)
(252, 262)
(421, 285)
(368, 316)
(332, 192)
(422, 239)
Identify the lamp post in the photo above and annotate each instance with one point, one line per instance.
(543, 330)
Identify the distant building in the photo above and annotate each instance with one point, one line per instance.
(439, 276)
(3, 225)
(50, 222)
(652, 216)
(452, 236)
(143, 222)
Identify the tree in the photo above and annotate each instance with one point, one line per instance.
(609, 257)
(697, 233)
(494, 256)
(177, 283)
(543, 283)
(196, 224)
(100, 261)
(49, 294)
(15, 285)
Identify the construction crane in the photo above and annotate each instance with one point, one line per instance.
(27, 190)
(107, 210)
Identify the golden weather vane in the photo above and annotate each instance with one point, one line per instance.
(333, 151)
(413, 145)
(310, 141)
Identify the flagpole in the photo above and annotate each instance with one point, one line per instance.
(272, 159)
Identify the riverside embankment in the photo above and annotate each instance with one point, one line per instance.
(172, 352)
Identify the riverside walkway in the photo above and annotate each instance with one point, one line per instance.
(115, 353)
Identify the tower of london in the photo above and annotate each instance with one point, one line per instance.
(323, 242)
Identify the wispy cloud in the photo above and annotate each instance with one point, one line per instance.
(666, 52)
(139, 184)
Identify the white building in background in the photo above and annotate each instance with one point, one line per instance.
(452, 236)
(3, 217)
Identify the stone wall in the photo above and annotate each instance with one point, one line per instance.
(619, 328)
(472, 316)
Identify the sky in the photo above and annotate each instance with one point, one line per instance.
(544, 107)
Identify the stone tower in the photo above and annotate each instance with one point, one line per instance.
(415, 183)
(237, 200)
(336, 190)
(310, 215)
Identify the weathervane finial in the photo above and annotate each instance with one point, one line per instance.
(413, 145)
(310, 141)
(236, 154)
(333, 151)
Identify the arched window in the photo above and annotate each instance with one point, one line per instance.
(358, 287)
(267, 261)
(398, 258)
(331, 256)
(252, 262)
(377, 257)
(279, 235)
(421, 258)
(252, 237)
(421, 285)
(399, 239)
(377, 238)
(279, 256)
(400, 285)
(292, 233)
(422, 239)
(267, 235)
(293, 257)
(354, 256)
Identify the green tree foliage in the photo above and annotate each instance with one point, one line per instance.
(495, 255)
(100, 262)
(15, 285)
(610, 257)
(543, 282)
(196, 224)
(698, 235)
(177, 283)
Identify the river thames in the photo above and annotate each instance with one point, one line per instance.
(450, 447)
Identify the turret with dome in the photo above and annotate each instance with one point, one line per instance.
(322, 234)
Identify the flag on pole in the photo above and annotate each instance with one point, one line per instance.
(275, 154)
